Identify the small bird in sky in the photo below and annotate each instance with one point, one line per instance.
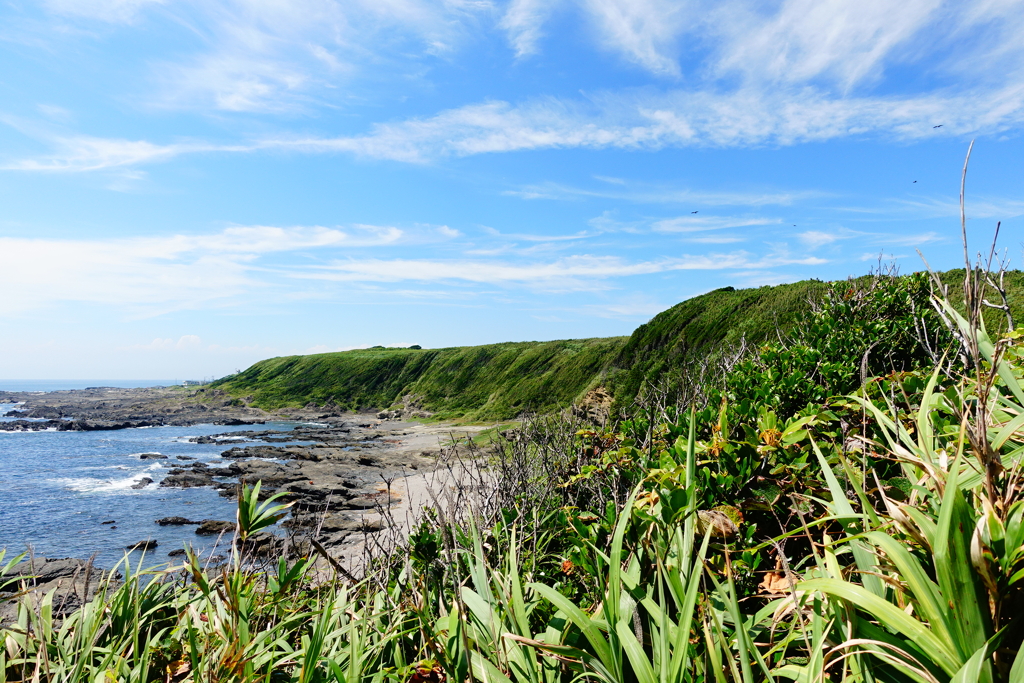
(915, 181)
(938, 126)
(693, 212)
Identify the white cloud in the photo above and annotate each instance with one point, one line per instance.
(86, 153)
(449, 232)
(523, 20)
(699, 223)
(632, 120)
(152, 275)
(816, 238)
(188, 341)
(570, 273)
(234, 83)
(677, 118)
(643, 31)
(910, 240)
(805, 39)
(717, 239)
(977, 206)
(649, 194)
(288, 56)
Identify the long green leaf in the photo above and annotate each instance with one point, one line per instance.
(865, 560)
(890, 615)
(642, 668)
(961, 588)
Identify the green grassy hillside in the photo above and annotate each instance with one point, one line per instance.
(501, 381)
(495, 381)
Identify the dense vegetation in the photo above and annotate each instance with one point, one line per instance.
(665, 351)
(843, 502)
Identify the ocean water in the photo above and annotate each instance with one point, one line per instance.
(56, 489)
(65, 384)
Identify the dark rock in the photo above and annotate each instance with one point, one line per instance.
(142, 545)
(44, 570)
(31, 426)
(213, 527)
(176, 553)
(336, 522)
(187, 480)
(175, 521)
(109, 521)
(102, 425)
(142, 483)
(43, 412)
(152, 456)
(184, 457)
(262, 543)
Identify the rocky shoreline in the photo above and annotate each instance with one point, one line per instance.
(105, 408)
(350, 477)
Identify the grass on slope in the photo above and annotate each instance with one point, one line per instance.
(495, 381)
(704, 326)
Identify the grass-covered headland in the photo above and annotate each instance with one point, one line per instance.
(839, 501)
(504, 381)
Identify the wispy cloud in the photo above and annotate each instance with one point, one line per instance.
(702, 223)
(570, 273)
(801, 40)
(151, 275)
(677, 119)
(646, 193)
(85, 153)
(977, 206)
(636, 121)
(523, 21)
(643, 31)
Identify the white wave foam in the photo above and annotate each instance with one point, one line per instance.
(29, 431)
(91, 485)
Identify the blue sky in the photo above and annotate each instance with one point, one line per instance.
(189, 186)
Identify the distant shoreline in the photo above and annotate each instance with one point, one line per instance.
(46, 385)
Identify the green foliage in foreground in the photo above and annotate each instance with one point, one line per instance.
(871, 537)
(495, 381)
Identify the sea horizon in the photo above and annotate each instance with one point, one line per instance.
(69, 384)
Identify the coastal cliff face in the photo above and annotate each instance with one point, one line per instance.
(496, 381)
